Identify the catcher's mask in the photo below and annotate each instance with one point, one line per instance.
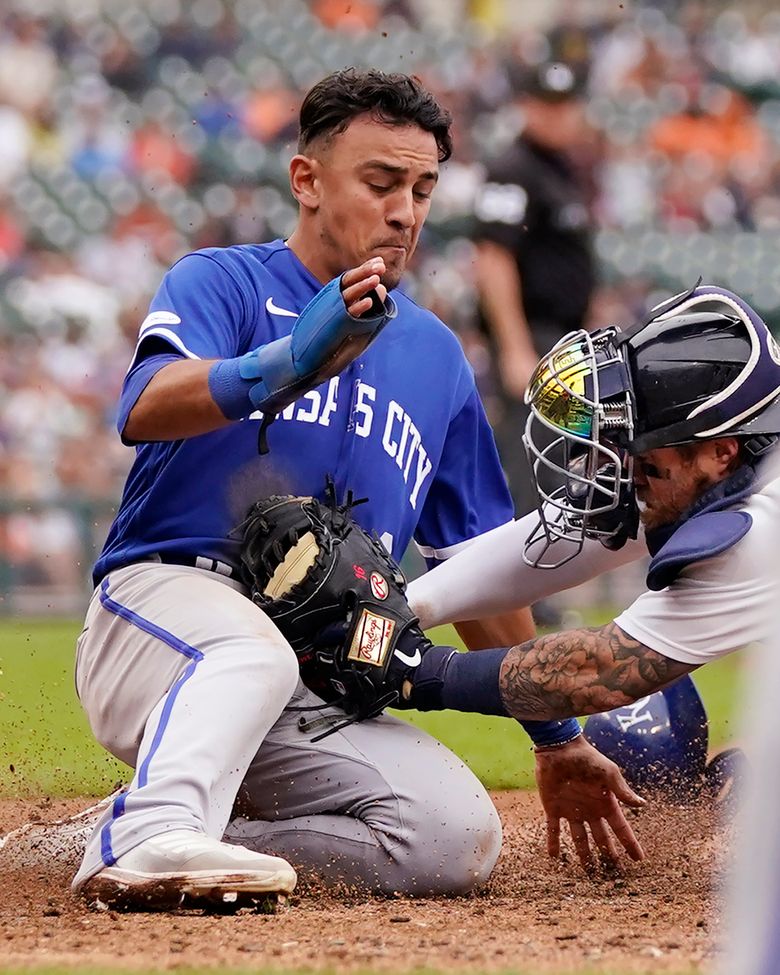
(660, 744)
(701, 365)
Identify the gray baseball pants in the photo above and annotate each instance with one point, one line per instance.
(186, 680)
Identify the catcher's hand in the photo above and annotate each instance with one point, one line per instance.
(337, 596)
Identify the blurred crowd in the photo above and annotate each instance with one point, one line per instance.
(131, 133)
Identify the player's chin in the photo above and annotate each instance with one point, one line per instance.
(391, 278)
(394, 270)
(657, 516)
(396, 259)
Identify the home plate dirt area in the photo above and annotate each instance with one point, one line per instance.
(534, 915)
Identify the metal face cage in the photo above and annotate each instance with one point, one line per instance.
(581, 419)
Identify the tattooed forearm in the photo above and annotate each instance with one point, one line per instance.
(582, 672)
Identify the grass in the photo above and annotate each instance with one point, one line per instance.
(46, 747)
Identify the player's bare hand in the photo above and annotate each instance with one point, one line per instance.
(358, 282)
(580, 785)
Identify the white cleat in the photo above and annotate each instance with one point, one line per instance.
(61, 843)
(185, 868)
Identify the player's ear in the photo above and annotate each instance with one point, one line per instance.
(727, 453)
(304, 181)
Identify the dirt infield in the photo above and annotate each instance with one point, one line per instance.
(533, 916)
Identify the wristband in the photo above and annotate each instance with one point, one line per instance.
(324, 340)
(468, 682)
(552, 734)
(229, 389)
(472, 684)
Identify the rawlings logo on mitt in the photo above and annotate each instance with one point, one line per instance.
(337, 596)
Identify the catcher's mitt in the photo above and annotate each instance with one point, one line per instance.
(338, 598)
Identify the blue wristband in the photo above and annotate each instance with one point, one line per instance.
(471, 682)
(229, 390)
(551, 733)
(468, 682)
(461, 681)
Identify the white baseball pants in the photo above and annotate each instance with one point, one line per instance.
(186, 680)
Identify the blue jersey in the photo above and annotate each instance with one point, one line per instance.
(403, 425)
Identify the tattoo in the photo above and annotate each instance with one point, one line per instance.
(582, 672)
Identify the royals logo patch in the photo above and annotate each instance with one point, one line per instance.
(371, 639)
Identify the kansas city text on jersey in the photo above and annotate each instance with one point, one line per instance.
(401, 439)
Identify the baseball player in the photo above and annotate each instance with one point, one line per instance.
(668, 421)
(259, 370)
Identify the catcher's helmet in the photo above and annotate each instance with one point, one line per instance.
(701, 365)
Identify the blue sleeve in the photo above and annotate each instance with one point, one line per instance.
(469, 494)
(200, 311)
(135, 383)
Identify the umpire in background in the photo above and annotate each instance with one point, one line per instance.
(535, 270)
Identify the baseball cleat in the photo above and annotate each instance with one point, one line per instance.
(61, 842)
(182, 868)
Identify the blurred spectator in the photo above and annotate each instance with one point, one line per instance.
(123, 67)
(96, 143)
(147, 224)
(28, 64)
(12, 239)
(710, 145)
(47, 140)
(155, 150)
(349, 15)
(15, 143)
(271, 115)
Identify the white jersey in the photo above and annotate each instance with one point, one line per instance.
(488, 577)
(719, 604)
(715, 606)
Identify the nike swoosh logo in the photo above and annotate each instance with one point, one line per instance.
(273, 309)
(411, 660)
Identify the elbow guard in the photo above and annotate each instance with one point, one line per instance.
(324, 340)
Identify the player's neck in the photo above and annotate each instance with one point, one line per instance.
(310, 255)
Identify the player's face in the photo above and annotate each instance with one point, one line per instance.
(375, 186)
(668, 481)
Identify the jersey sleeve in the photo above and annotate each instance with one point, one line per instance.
(714, 607)
(199, 312)
(469, 494)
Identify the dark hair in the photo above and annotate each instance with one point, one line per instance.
(396, 99)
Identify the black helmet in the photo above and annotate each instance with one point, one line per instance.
(704, 365)
(701, 365)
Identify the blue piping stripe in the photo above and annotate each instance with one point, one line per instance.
(148, 627)
(118, 807)
(143, 771)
